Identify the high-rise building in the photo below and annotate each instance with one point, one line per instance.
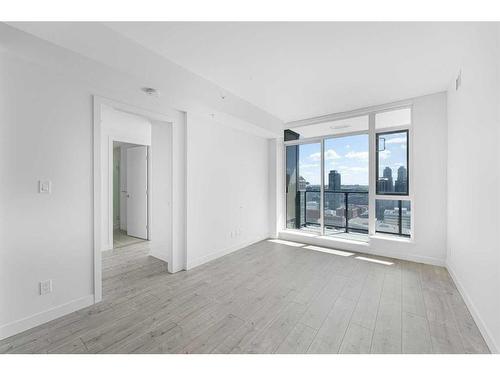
(334, 184)
(385, 184)
(334, 180)
(400, 185)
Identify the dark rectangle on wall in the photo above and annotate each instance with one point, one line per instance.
(290, 135)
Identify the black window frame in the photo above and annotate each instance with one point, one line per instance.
(377, 135)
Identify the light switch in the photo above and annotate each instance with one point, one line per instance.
(44, 187)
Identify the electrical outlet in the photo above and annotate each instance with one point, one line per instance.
(45, 287)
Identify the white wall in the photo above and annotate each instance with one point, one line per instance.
(473, 179)
(227, 194)
(122, 127)
(428, 169)
(161, 190)
(46, 133)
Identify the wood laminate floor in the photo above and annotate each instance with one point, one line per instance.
(121, 239)
(265, 298)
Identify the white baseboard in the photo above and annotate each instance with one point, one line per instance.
(24, 324)
(218, 254)
(492, 345)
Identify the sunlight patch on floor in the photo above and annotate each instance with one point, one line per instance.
(288, 243)
(375, 261)
(329, 251)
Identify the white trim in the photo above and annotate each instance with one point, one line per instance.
(149, 190)
(319, 139)
(348, 114)
(388, 197)
(34, 320)
(212, 256)
(321, 190)
(488, 337)
(372, 174)
(96, 198)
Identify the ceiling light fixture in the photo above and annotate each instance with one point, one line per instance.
(151, 91)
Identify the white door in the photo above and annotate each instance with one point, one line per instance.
(137, 186)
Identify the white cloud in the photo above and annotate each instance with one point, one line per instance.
(347, 169)
(384, 154)
(398, 140)
(329, 155)
(361, 155)
(306, 165)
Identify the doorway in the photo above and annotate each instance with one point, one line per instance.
(130, 194)
(163, 136)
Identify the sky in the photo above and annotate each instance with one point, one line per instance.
(349, 156)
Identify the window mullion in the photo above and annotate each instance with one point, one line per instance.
(371, 174)
(322, 190)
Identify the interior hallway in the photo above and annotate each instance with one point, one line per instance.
(285, 299)
(121, 239)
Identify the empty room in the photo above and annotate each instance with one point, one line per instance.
(235, 187)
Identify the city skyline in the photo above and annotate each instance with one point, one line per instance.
(349, 156)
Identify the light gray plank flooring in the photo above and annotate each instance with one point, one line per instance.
(265, 298)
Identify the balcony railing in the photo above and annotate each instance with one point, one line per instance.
(344, 210)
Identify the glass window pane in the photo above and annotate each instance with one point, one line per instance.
(358, 212)
(406, 218)
(389, 218)
(334, 210)
(346, 163)
(303, 180)
(346, 184)
(389, 119)
(392, 159)
(291, 186)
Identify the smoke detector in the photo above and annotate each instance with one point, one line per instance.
(151, 91)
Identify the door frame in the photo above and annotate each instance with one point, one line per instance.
(112, 139)
(98, 102)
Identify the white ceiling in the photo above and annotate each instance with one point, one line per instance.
(300, 70)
